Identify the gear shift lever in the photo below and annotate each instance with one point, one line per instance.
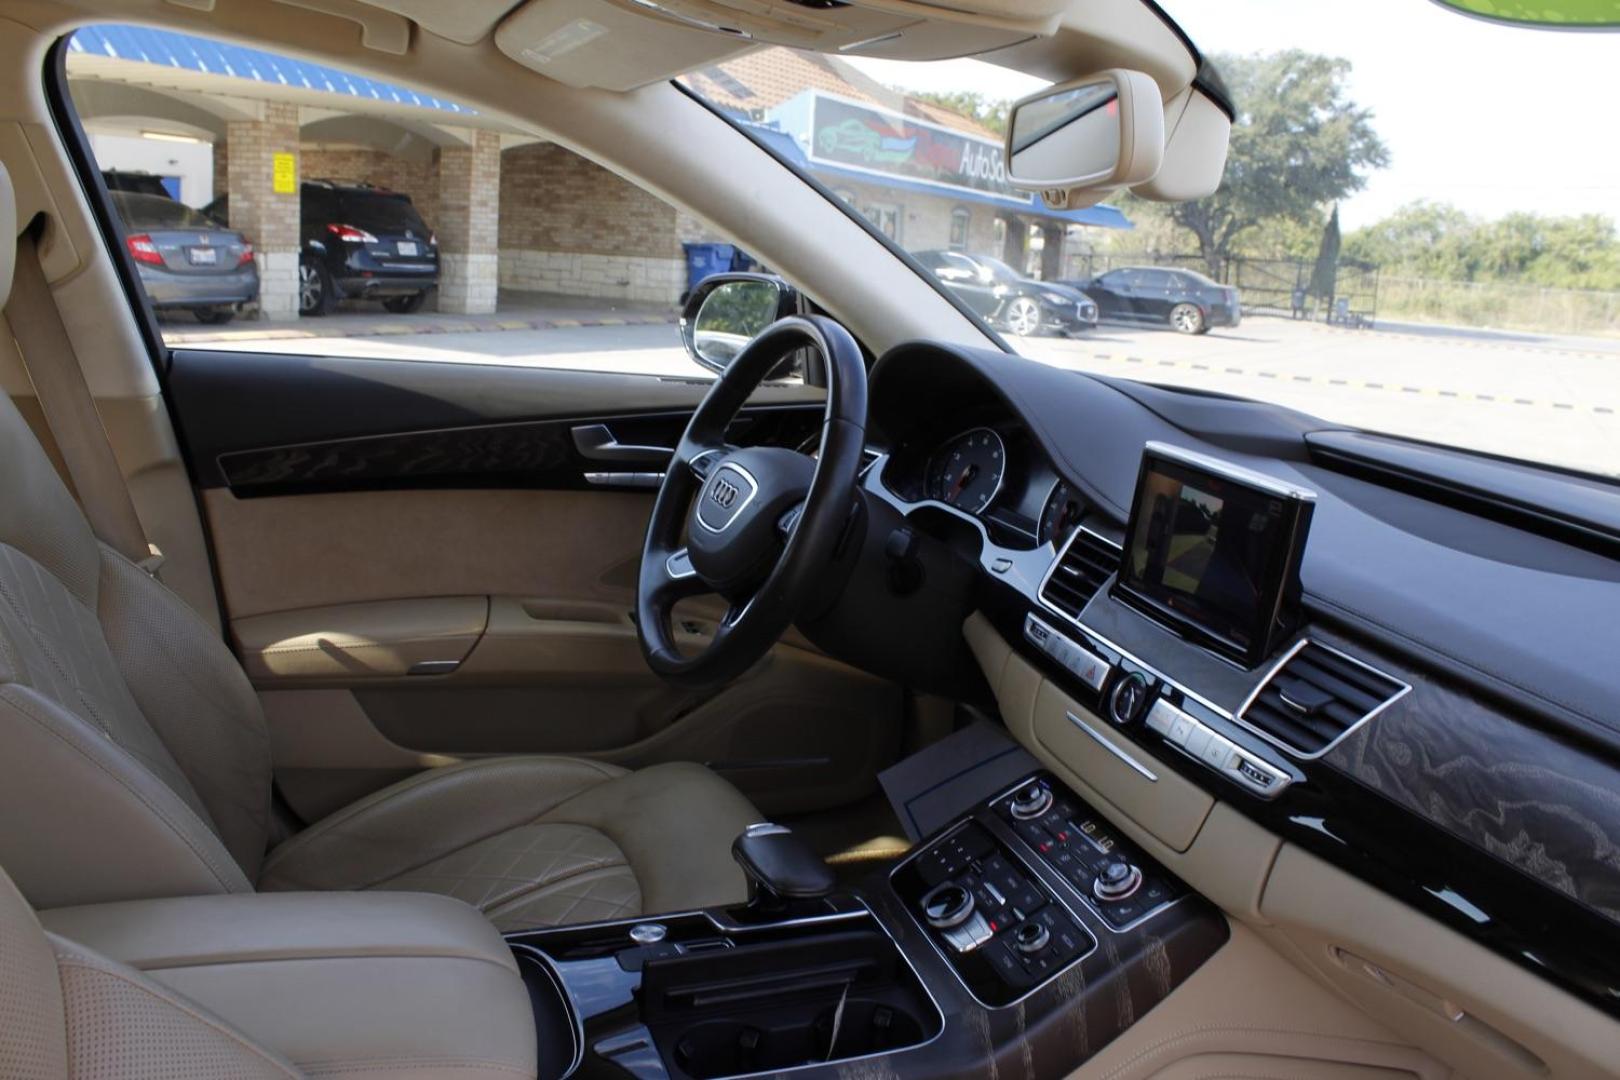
(781, 868)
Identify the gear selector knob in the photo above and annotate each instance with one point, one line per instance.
(780, 867)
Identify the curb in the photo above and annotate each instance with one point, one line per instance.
(381, 329)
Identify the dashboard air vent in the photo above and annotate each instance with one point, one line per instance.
(1079, 572)
(1315, 696)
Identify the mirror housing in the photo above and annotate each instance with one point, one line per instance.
(1078, 141)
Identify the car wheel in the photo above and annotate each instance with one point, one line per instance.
(214, 316)
(1187, 319)
(1023, 316)
(404, 305)
(316, 296)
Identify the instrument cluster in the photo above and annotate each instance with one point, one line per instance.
(991, 471)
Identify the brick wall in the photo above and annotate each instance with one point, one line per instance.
(469, 221)
(268, 219)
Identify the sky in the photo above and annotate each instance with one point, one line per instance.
(1489, 118)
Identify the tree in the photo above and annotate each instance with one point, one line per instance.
(984, 110)
(1298, 142)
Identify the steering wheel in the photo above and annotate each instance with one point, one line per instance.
(765, 521)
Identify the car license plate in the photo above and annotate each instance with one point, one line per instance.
(202, 256)
(407, 247)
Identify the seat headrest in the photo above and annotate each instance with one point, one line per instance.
(8, 234)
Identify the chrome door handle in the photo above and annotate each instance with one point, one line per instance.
(596, 443)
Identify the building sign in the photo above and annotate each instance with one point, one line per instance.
(851, 135)
(284, 174)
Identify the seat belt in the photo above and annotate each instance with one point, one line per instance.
(70, 411)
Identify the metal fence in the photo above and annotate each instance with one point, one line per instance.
(1269, 285)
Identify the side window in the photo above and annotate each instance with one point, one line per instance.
(376, 219)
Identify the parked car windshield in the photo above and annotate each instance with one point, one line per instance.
(139, 211)
(1403, 240)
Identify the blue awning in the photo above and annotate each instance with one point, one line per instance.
(1105, 217)
(168, 49)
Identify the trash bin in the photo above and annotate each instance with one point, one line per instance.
(705, 260)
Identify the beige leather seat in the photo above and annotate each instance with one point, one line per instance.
(346, 987)
(134, 760)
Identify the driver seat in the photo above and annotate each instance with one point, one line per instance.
(135, 760)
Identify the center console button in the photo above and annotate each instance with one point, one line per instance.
(947, 905)
(970, 934)
(1031, 802)
(1031, 937)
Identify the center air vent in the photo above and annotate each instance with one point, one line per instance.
(1086, 563)
(1315, 697)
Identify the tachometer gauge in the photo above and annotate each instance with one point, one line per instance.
(966, 472)
(1062, 512)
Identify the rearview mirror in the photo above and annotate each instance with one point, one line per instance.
(1094, 134)
(727, 311)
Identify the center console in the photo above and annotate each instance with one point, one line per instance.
(1024, 934)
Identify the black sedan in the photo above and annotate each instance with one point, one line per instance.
(1185, 299)
(1006, 299)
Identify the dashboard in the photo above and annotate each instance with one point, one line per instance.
(1397, 725)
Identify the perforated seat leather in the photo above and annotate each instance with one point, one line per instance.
(134, 759)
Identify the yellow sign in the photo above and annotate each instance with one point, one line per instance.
(284, 174)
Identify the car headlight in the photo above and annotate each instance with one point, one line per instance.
(1055, 298)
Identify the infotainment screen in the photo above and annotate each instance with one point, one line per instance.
(1213, 550)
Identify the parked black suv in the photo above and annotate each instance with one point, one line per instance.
(359, 241)
(1186, 299)
(1008, 300)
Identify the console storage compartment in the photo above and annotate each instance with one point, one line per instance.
(705, 997)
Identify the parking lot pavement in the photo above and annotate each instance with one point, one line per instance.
(1554, 400)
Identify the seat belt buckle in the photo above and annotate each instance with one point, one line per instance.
(153, 562)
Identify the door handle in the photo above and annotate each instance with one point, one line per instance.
(596, 443)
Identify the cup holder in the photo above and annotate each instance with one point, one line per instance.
(728, 1047)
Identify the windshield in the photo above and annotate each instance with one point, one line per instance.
(1404, 241)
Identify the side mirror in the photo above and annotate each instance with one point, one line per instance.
(727, 311)
(1087, 137)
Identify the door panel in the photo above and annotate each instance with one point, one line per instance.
(370, 516)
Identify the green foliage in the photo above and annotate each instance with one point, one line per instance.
(1438, 241)
(1297, 144)
(989, 111)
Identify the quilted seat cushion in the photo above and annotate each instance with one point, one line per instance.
(533, 841)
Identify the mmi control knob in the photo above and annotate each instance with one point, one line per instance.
(947, 905)
(1116, 879)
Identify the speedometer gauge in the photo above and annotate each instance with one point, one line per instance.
(1061, 514)
(966, 472)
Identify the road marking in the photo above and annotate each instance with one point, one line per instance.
(1565, 406)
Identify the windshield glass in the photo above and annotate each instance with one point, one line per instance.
(1404, 240)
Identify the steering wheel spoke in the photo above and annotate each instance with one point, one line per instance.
(678, 581)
